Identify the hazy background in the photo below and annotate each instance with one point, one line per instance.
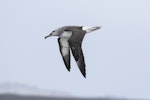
(117, 56)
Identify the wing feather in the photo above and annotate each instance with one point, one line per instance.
(75, 43)
(65, 51)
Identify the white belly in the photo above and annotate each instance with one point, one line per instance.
(66, 34)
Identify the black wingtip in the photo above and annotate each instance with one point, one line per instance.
(84, 76)
(83, 72)
(68, 69)
(67, 65)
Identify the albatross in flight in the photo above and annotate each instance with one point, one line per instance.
(70, 38)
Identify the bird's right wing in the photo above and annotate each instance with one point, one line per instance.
(65, 51)
(75, 43)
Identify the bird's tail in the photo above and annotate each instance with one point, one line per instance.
(90, 29)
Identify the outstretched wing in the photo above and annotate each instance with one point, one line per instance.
(65, 51)
(75, 43)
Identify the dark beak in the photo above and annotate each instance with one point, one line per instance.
(99, 27)
(48, 36)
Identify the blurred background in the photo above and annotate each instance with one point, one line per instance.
(117, 56)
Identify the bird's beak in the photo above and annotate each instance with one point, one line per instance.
(99, 27)
(48, 36)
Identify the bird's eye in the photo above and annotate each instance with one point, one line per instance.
(53, 31)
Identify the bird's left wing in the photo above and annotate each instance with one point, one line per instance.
(65, 51)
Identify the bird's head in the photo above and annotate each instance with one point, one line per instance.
(53, 33)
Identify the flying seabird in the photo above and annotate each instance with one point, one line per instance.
(70, 38)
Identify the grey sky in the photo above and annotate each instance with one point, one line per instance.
(117, 56)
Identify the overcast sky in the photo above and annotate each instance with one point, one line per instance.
(117, 56)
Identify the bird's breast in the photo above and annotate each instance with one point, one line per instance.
(66, 34)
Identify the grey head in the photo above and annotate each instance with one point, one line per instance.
(56, 32)
(59, 31)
